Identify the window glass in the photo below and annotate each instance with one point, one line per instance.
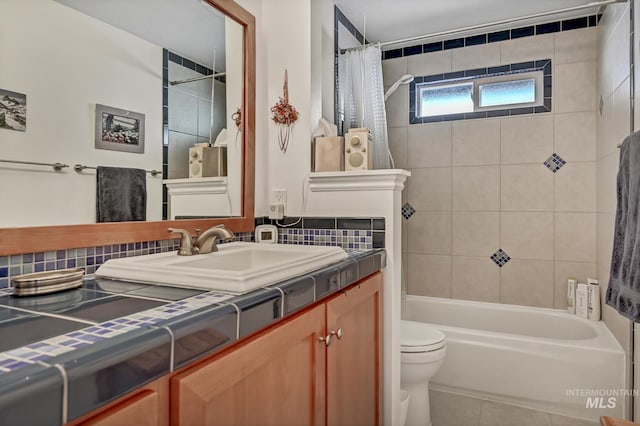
(507, 93)
(446, 99)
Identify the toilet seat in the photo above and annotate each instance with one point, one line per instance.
(420, 337)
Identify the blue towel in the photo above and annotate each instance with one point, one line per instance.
(121, 194)
(623, 292)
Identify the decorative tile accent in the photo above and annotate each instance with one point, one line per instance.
(554, 163)
(500, 258)
(407, 211)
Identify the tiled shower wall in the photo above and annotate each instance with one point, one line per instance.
(479, 186)
(614, 125)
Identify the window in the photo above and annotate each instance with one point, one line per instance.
(498, 91)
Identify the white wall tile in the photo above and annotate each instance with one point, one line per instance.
(476, 188)
(527, 139)
(183, 114)
(429, 63)
(575, 237)
(575, 135)
(527, 235)
(475, 278)
(430, 233)
(565, 270)
(528, 49)
(527, 282)
(605, 228)
(574, 87)
(398, 146)
(429, 145)
(398, 108)
(605, 141)
(575, 187)
(475, 233)
(621, 116)
(393, 69)
(620, 48)
(476, 142)
(526, 188)
(429, 275)
(576, 45)
(430, 188)
(481, 56)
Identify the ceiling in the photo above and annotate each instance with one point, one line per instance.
(388, 20)
(187, 27)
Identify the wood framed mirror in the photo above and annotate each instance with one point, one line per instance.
(26, 239)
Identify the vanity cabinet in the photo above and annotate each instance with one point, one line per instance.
(148, 406)
(321, 366)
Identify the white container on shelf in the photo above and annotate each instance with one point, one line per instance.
(582, 300)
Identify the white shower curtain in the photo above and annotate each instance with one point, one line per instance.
(361, 98)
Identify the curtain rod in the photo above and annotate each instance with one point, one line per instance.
(189, 80)
(487, 25)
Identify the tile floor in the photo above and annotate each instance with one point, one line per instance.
(449, 409)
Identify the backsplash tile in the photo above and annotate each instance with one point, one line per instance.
(352, 234)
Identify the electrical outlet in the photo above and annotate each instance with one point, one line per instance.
(279, 196)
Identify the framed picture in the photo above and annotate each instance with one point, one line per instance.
(13, 110)
(119, 129)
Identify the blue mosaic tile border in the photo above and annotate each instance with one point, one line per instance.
(543, 65)
(349, 240)
(88, 258)
(493, 37)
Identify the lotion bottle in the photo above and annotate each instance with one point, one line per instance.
(571, 295)
(582, 300)
(593, 308)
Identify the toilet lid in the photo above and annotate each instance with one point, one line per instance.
(418, 336)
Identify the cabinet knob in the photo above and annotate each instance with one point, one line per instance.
(326, 340)
(337, 333)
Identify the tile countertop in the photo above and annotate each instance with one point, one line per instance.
(102, 341)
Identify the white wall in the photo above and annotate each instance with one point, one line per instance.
(65, 63)
(294, 35)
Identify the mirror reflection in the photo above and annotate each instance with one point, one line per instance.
(178, 76)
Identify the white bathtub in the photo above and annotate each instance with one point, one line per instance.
(530, 357)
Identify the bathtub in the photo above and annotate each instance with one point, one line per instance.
(543, 359)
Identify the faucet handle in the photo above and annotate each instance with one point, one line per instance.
(186, 241)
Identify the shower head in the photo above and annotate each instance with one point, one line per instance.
(405, 79)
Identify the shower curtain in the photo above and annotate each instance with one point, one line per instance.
(361, 98)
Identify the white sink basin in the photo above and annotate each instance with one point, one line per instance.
(236, 268)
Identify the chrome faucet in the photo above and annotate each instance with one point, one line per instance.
(201, 243)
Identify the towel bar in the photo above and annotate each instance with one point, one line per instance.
(80, 167)
(56, 166)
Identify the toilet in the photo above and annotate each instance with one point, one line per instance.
(423, 349)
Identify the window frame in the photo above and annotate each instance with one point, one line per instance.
(477, 82)
(540, 70)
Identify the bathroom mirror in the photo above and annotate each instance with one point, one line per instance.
(51, 75)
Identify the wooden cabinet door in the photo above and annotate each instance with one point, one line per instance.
(141, 410)
(276, 378)
(354, 360)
